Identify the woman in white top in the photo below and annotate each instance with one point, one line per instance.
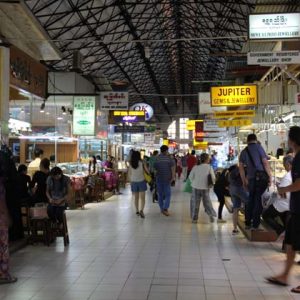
(138, 182)
(281, 206)
(200, 184)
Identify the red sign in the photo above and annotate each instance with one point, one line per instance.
(199, 133)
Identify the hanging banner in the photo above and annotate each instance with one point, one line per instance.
(212, 125)
(273, 58)
(200, 145)
(243, 95)
(205, 104)
(234, 114)
(84, 115)
(234, 123)
(131, 116)
(199, 133)
(129, 129)
(114, 101)
(276, 26)
(191, 124)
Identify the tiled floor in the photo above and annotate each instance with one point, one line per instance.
(115, 255)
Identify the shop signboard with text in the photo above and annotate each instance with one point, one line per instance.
(129, 129)
(84, 115)
(27, 74)
(191, 124)
(273, 58)
(199, 132)
(242, 95)
(234, 123)
(212, 125)
(275, 26)
(234, 114)
(148, 109)
(130, 116)
(114, 101)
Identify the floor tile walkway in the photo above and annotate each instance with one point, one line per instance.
(115, 255)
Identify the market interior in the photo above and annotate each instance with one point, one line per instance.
(87, 87)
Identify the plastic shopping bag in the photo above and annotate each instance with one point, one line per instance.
(188, 186)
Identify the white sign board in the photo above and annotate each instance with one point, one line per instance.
(149, 138)
(144, 107)
(205, 104)
(274, 26)
(212, 125)
(84, 115)
(114, 101)
(273, 58)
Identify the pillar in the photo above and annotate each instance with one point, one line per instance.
(4, 92)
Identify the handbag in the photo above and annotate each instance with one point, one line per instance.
(147, 176)
(261, 177)
(210, 181)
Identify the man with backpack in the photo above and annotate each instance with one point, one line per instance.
(256, 175)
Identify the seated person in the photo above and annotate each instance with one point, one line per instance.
(57, 193)
(280, 208)
(38, 184)
(23, 183)
(35, 164)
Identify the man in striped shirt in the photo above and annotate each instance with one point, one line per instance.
(164, 166)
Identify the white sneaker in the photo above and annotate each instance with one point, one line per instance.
(221, 221)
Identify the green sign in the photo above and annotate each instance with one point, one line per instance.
(84, 115)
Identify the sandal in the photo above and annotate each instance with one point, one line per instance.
(296, 290)
(275, 281)
(8, 280)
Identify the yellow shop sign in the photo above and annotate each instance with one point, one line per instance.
(191, 124)
(234, 114)
(233, 95)
(235, 123)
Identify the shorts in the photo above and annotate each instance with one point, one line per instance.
(140, 186)
(292, 233)
(238, 195)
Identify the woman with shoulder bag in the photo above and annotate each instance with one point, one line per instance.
(138, 183)
(202, 177)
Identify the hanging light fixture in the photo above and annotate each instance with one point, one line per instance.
(63, 109)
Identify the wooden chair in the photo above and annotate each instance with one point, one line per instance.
(61, 230)
(25, 215)
(40, 231)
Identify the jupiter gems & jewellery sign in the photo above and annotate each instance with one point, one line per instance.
(276, 26)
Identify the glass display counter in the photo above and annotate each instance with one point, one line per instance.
(89, 147)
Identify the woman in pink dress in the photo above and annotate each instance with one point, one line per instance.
(110, 175)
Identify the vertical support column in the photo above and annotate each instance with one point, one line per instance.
(4, 92)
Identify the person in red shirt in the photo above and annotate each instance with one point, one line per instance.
(191, 162)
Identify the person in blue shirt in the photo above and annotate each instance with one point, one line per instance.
(214, 161)
(256, 175)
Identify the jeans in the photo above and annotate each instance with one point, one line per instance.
(221, 198)
(164, 194)
(270, 216)
(253, 209)
(197, 195)
(238, 196)
(56, 213)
